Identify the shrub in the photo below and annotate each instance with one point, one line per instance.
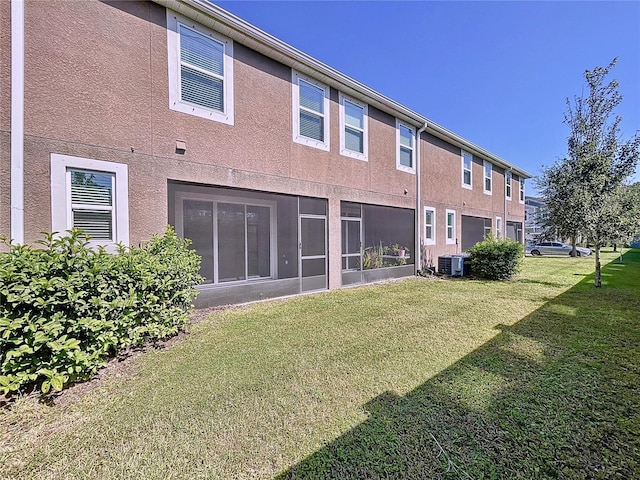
(65, 308)
(496, 259)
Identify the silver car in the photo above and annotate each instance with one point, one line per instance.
(556, 248)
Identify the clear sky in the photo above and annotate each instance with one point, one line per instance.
(495, 73)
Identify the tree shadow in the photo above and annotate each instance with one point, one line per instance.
(553, 396)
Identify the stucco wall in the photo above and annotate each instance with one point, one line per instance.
(97, 87)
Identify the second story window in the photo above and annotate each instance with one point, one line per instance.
(310, 112)
(508, 179)
(200, 70)
(353, 128)
(467, 161)
(405, 148)
(488, 169)
(522, 190)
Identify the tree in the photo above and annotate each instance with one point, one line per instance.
(585, 192)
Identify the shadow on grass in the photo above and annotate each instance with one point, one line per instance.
(553, 396)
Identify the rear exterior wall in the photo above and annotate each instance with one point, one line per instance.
(97, 86)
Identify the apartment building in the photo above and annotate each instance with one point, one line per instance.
(532, 226)
(287, 175)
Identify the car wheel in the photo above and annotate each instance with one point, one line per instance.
(535, 252)
(578, 253)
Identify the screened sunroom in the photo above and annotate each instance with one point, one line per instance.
(253, 245)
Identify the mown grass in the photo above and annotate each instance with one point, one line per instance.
(532, 378)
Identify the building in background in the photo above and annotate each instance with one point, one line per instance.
(532, 225)
(287, 175)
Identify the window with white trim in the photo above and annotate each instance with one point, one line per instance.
(200, 70)
(467, 162)
(522, 192)
(451, 227)
(508, 179)
(498, 227)
(91, 195)
(405, 141)
(486, 228)
(488, 170)
(429, 226)
(353, 128)
(310, 112)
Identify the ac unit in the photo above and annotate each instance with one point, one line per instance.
(457, 266)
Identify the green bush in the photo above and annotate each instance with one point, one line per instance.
(496, 259)
(65, 308)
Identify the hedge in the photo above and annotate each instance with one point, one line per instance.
(496, 259)
(65, 308)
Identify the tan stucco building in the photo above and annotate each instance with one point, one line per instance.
(289, 176)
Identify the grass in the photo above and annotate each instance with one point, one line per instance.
(533, 378)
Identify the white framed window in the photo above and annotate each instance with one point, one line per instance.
(405, 147)
(353, 128)
(498, 232)
(522, 190)
(310, 112)
(508, 181)
(200, 70)
(451, 227)
(429, 226)
(488, 171)
(467, 171)
(91, 195)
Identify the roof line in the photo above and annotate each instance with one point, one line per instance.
(245, 33)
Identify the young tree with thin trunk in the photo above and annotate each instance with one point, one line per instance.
(585, 191)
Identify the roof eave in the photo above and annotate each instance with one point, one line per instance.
(240, 30)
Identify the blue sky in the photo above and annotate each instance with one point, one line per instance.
(496, 73)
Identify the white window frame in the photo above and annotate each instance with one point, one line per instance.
(176, 103)
(464, 155)
(498, 231)
(399, 166)
(295, 93)
(430, 240)
(521, 190)
(61, 211)
(508, 184)
(450, 240)
(364, 156)
(486, 164)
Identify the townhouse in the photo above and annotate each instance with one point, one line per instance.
(287, 175)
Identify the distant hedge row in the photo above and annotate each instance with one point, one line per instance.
(66, 308)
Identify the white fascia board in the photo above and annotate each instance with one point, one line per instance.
(237, 28)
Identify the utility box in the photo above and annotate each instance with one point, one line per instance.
(457, 265)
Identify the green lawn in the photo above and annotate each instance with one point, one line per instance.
(533, 378)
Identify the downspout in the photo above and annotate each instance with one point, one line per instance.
(503, 233)
(17, 121)
(418, 256)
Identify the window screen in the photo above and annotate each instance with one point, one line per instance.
(354, 127)
(406, 146)
(201, 70)
(311, 111)
(92, 203)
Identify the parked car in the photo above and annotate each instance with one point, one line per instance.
(556, 248)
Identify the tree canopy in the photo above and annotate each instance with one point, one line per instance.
(585, 192)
